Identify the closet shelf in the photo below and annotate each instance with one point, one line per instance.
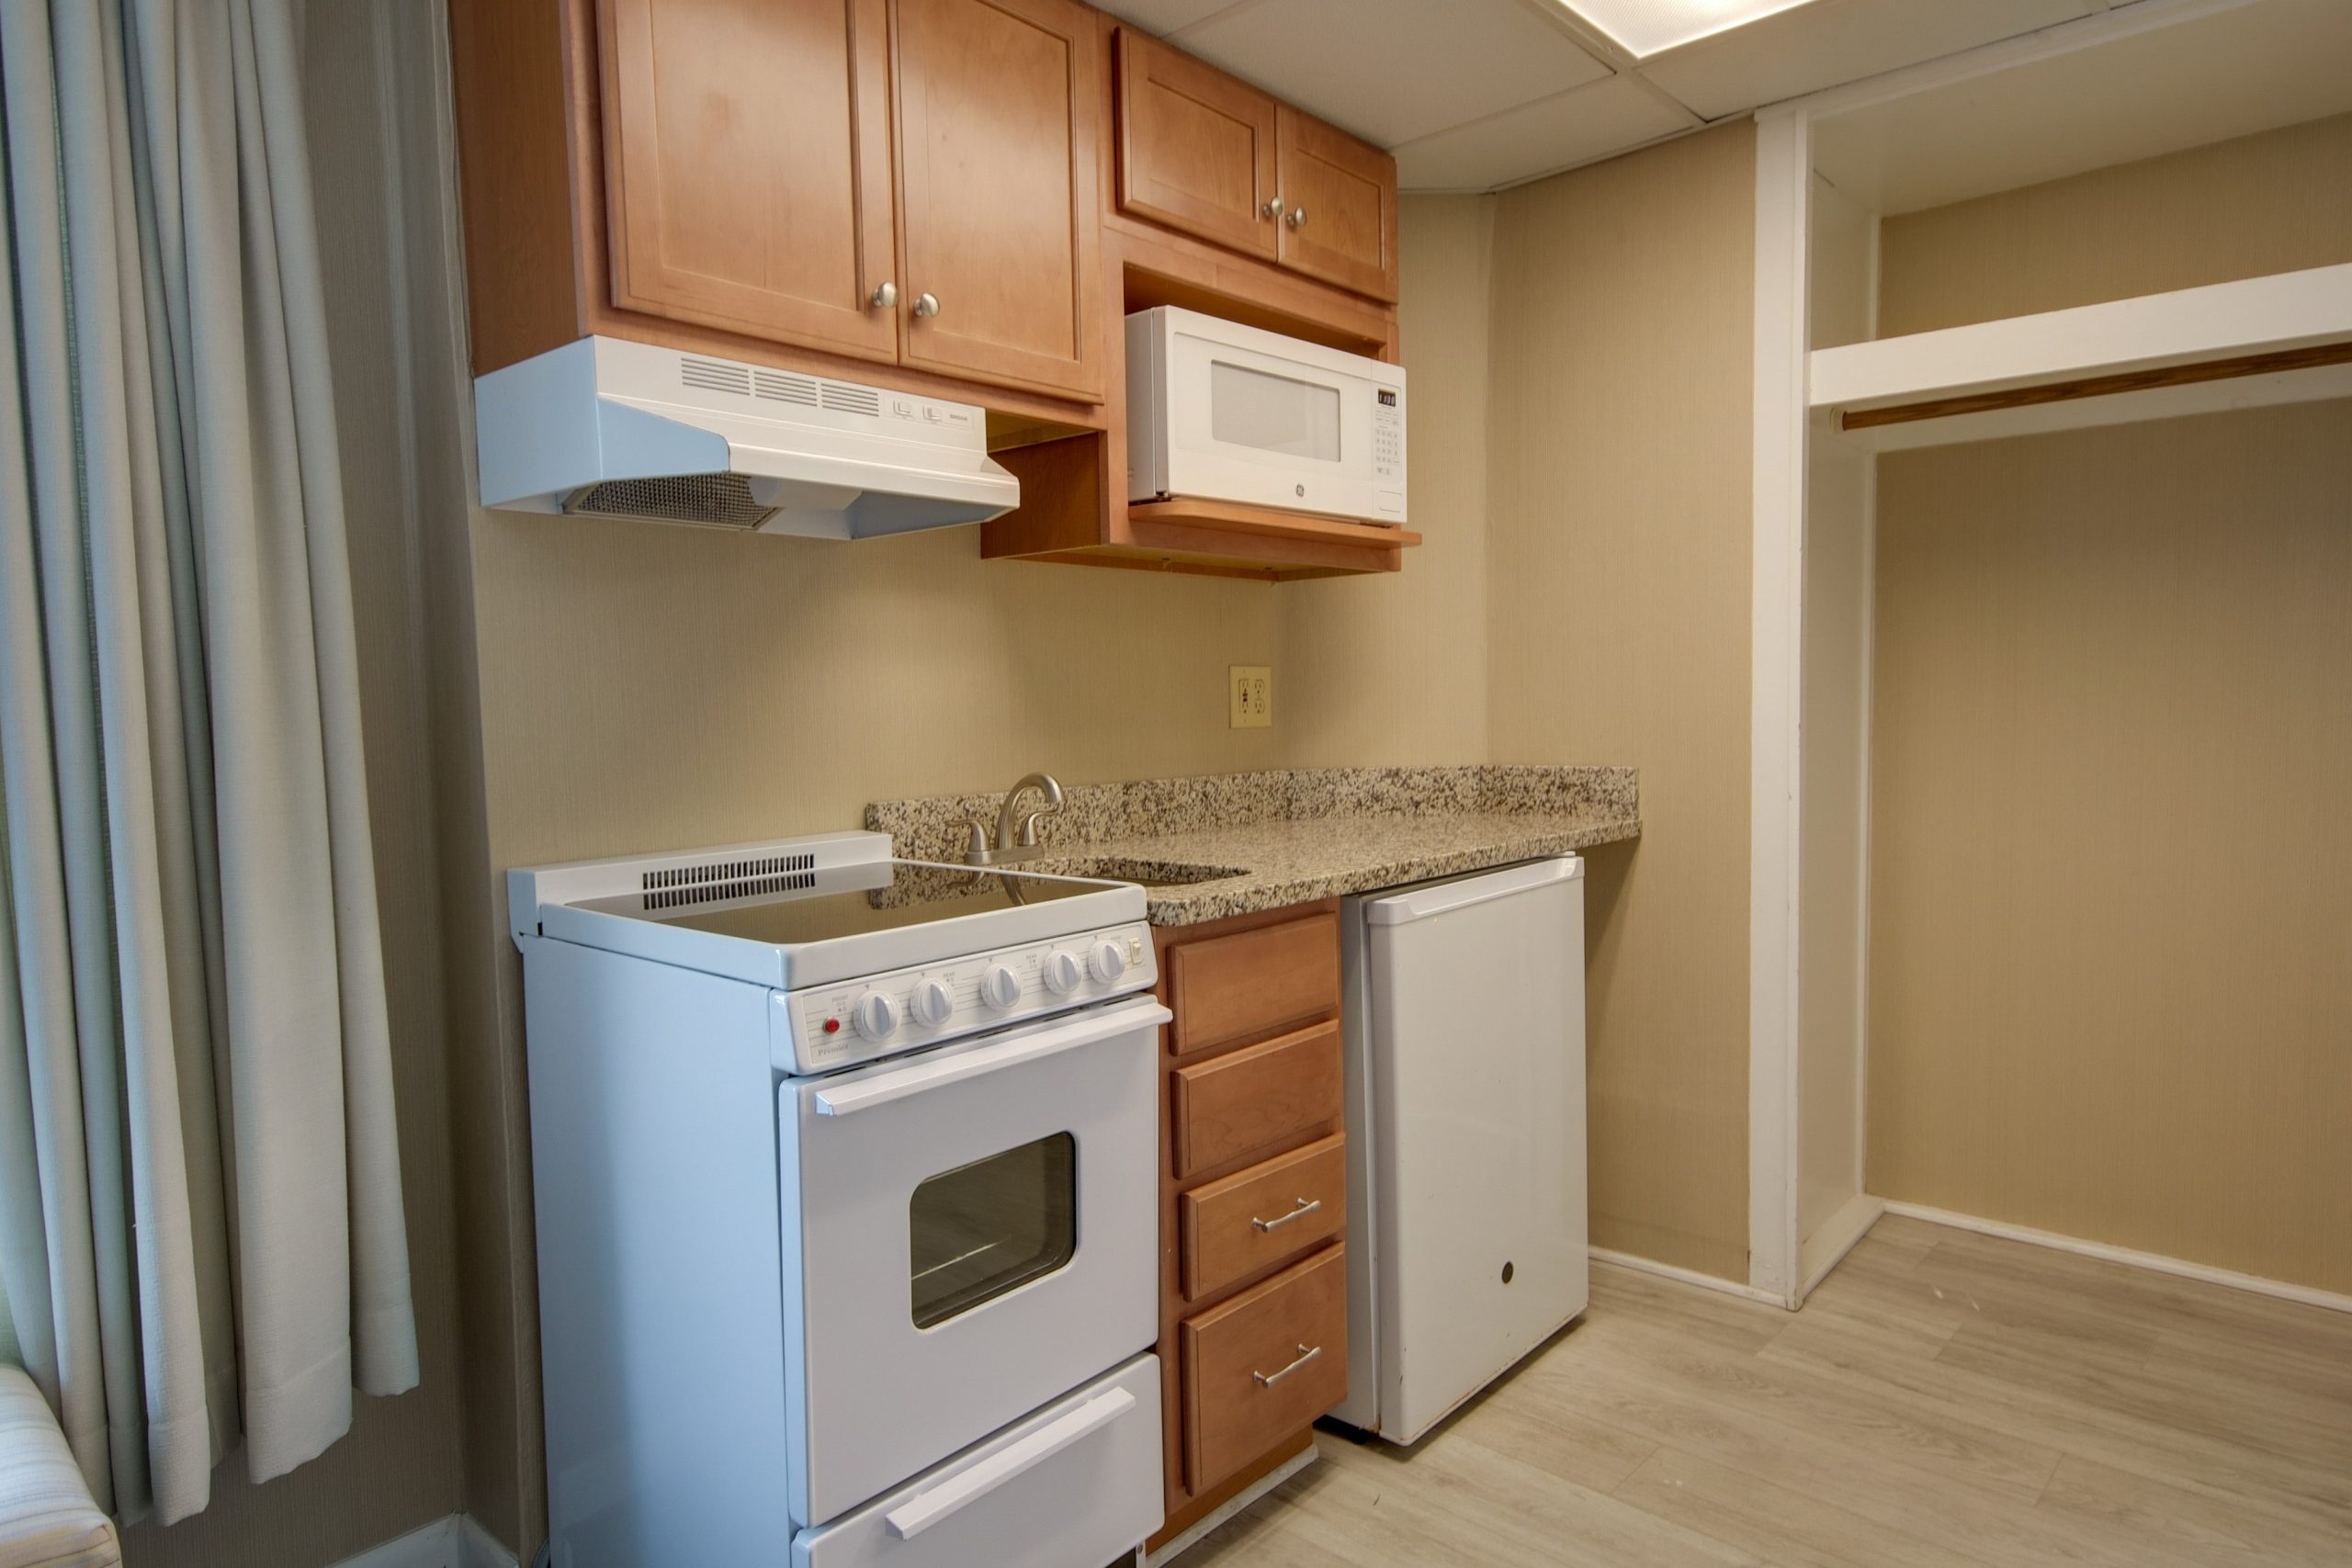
(2281, 339)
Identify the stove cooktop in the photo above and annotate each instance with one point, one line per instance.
(813, 911)
(851, 902)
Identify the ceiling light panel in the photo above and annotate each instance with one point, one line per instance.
(1643, 27)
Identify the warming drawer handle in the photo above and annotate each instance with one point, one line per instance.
(867, 1093)
(1267, 1380)
(927, 1509)
(1306, 1207)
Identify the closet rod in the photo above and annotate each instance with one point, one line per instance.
(2309, 359)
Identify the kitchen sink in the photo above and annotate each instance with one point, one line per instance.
(1123, 868)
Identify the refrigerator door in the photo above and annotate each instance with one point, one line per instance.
(1469, 1040)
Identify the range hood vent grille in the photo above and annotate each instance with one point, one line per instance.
(717, 501)
(680, 885)
(843, 399)
(777, 386)
(715, 374)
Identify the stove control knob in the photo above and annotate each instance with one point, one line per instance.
(1107, 962)
(1062, 972)
(1001, 987)
(876, 1015)
(932, 1003)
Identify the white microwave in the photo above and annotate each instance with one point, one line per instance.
(1220, 412)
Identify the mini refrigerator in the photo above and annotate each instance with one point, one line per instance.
(1466, 1083)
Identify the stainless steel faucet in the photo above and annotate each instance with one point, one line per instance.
(1016, 831)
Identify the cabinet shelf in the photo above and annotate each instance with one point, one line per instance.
(2284, 338)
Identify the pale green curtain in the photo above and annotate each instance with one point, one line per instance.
(201, 1233)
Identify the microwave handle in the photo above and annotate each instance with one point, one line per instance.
(927, 1509)
(867, 1093)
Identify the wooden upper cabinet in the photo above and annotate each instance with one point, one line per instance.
(1196, 146)
(747, 166)
(1000, 131)
(1342, 194)
(1204, 152)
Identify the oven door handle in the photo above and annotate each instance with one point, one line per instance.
(954, 1067)
(927, 1509)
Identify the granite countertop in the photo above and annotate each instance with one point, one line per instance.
(1266, 841)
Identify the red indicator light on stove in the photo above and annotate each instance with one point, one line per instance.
(832, 1026)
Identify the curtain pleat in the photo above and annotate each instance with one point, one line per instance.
(51, 734)
(201, 1234)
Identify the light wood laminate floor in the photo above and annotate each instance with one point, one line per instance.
(1945, 1400)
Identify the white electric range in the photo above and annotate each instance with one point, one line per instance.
(846, 1188)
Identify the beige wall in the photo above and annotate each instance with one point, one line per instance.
(1393, 669)
(2111, 922)
(2272, 202)
(1618, 588)
(399, 1467)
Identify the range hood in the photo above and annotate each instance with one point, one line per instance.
(606, 428)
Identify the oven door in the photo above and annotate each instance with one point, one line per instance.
(1265, 430)
(969, 1234)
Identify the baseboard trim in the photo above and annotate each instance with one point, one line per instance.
(1744, 1291)
(1827, 1247)
(2156, 1262)
(1176, 1545)
(454, 1541)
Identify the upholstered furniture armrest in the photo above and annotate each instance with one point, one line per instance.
(47, 1519)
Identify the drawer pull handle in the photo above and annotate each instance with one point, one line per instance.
(1304, 1356)
(1306, 1207)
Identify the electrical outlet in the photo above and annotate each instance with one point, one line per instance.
(1252, 694)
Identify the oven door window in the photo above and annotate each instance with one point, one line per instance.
(1272, 413)
(991, 1226)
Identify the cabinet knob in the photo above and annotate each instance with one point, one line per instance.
(1297, 219)
(1275, 209)
(926, 305)
(886, 296)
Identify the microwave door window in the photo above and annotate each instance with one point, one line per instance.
(1272, 413)
(991, 1226)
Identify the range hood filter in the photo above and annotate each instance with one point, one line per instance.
(711, 500)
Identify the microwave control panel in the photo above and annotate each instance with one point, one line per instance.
(1388, 449)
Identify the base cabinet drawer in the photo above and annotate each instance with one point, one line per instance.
(1259, 1217)
(1072, 1487)
(1261, 1366)
(1257, 1098)
(1229, 987)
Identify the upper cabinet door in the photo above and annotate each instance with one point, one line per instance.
(1000, 131)
(1196, 148)
(1341, 222)
(747, 166)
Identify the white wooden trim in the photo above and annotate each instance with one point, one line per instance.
(1783, 203)
(2184, 326)
(479, 1549)
(1862, 826)
(454, 1541)
(2155, 1262)
(1175, 1546)
(1690, 1277)
(1827, 1247)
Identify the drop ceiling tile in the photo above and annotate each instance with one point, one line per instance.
(1391, 70)
(1164, 16)
(1830, 42)
(1576, 126)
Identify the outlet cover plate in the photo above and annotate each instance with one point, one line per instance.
(1250, 694)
